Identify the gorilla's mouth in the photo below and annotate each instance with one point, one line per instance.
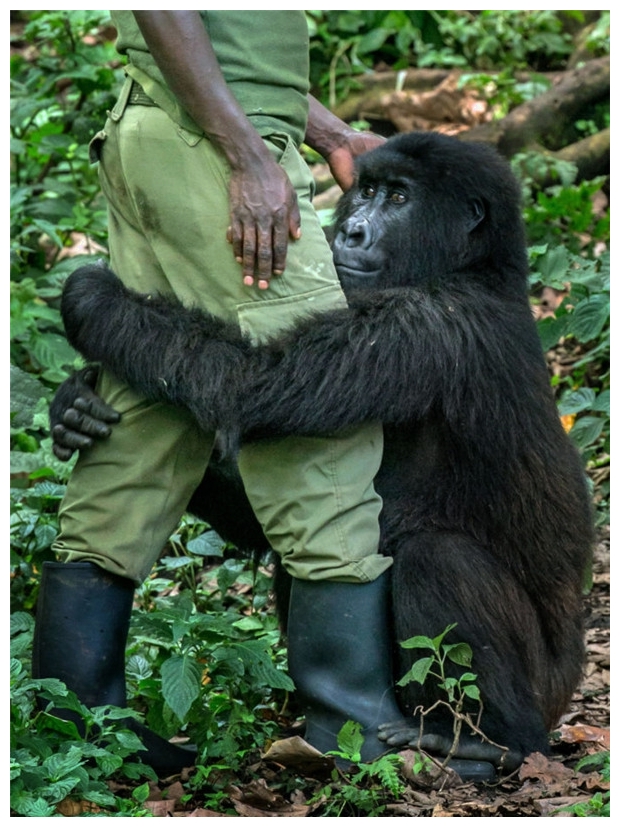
(356, 277)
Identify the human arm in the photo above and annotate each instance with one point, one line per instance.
(337, 142)
(263, 203)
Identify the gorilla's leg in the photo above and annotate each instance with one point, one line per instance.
(441, 578)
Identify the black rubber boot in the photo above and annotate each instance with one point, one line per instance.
(80, 635)
(340, 658)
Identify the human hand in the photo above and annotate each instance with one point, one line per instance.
(341, 159)
(264, 215)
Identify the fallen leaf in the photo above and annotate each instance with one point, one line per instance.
(580, 733)
(297, 753)
(433, 777)
(540, 767)
(256, 799)
(160, 809)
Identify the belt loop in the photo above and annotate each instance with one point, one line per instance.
(119, 107)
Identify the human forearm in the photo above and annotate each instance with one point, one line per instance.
(337, 142)
(263, 204)
(182, 50)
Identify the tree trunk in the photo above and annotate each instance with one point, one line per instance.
(545, 120)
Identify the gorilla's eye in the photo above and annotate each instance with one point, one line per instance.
(368, 191)
(398, 197)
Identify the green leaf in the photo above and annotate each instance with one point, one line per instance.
(589, 317)
(468, 676)
(418, 642)
(551, 330)
(602, 403)
(180, 683)
(350, 741)
(58, 765)
(208, 544)
(257, 656)
(249, 624)
(51, 350)
(129, 741)
(459, 653)
(372, 41)
(553, 267)
(577, 401)
(141, 793)
(109, 763)
(418, 672)
(472, 692)
(59, 790)
(32, 806)
(26, 391)
(586, 431)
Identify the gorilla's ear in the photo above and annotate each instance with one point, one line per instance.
(477, 213)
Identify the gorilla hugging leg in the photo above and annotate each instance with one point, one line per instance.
(485, 508)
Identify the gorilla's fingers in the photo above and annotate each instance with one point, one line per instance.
(397, 734)
(469, 747)
(63, 454)
(66, 442)
(83, 424)
(95, 408)
(90, 374)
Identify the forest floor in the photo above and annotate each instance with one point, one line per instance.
(542, 787)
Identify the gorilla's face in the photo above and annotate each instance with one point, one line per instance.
(405, 222)
(377, 214)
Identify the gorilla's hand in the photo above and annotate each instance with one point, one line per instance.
(78, 415)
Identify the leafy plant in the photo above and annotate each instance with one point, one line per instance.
(345, 44)
(210, 671)
(509, 38)
(51, 763)
(581, 327)
(61, 87)
(599, 804)
(461, 695)
(364, 792)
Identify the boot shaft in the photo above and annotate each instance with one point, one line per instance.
(82, 622)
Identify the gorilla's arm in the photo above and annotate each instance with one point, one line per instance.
(391, 356)
(165, 351)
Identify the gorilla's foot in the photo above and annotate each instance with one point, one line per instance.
(474, 759)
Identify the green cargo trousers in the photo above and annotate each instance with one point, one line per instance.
(167, 193)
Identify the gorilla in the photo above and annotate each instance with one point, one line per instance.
(486, 509)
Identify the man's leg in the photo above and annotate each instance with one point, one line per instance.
(316, 501)
(124, 499)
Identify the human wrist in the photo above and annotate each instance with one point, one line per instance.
(325, 132)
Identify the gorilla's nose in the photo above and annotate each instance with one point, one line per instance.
(356, 232)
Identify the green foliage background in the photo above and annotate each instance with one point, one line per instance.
(209, 662)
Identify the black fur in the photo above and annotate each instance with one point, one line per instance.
(486, 509)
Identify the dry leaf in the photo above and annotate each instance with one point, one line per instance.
(297, 753)
(580, 733)
(538, 766)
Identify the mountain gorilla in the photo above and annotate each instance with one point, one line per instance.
(485, 509)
